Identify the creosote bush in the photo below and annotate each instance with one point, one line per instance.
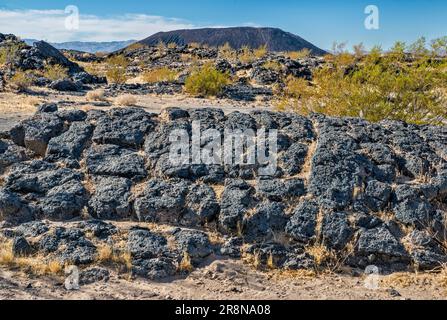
(8, 53)
(406, 83)
(163, 74)
(206, 81)
(116, 69)
(20, 81)
(55, 72)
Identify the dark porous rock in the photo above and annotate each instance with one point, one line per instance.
(86, 78)
(174, 113)
(278, 190)
(293, 159)
(336, 231)
(13, 209)
(21, 247)
(240, 121)
(223, 66)
(194, 243)
(63, 202)
(378, 188)
(210, 118)
(232, 247)
(268, 254)
(47, 108)
(158, 142)
(69, 246)
(267, 221)
(380, 246)
(49, 53)
(412, 208)
(80, 252)
(237, 199)
(111, 199)
(60, 191)
(10, 153)
(156, 269)
(301, 226)
(32, 229)
(98, 228)
(162, 201)
(265, 76)
(72, 115)
(65, 85)
(377, 195)
(36, 132)
(111, 160)
(93, 275)
(301, 261)
(336, 167)
(201, 205)
(69, 146)
(243, 92)
(425, 251)
(143, 244)
(123, 127)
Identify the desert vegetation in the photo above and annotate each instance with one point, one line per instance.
(206, 81)
(163, 74)
(116, 69)
(407, 83)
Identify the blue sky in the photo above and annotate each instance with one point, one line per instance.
(319, 21)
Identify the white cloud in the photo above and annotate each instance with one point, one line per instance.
(50, 25)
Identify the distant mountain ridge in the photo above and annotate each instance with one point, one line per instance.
(91, 47)
(237, 37)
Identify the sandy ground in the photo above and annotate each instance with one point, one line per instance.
(228, 280)
(16, 107)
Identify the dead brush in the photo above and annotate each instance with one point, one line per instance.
(96, 95)
(108, 255)
(186, 263)
(33, 265)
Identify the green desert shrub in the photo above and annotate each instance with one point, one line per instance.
(21, 81)
(55, 72)
(9, 53)
(206, 81)
(116, 69)
(379, 85)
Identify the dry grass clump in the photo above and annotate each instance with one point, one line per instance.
(272, 65)
(246, 55)
(135, 46)
(126, 100)
(55, 72)
(96, 95)
(163, 74)
(321, 254)
(107, 255)
(227, 52)
(260, 52)
(172, 45)
(296, 55)
(33, 264)
(186, 264)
